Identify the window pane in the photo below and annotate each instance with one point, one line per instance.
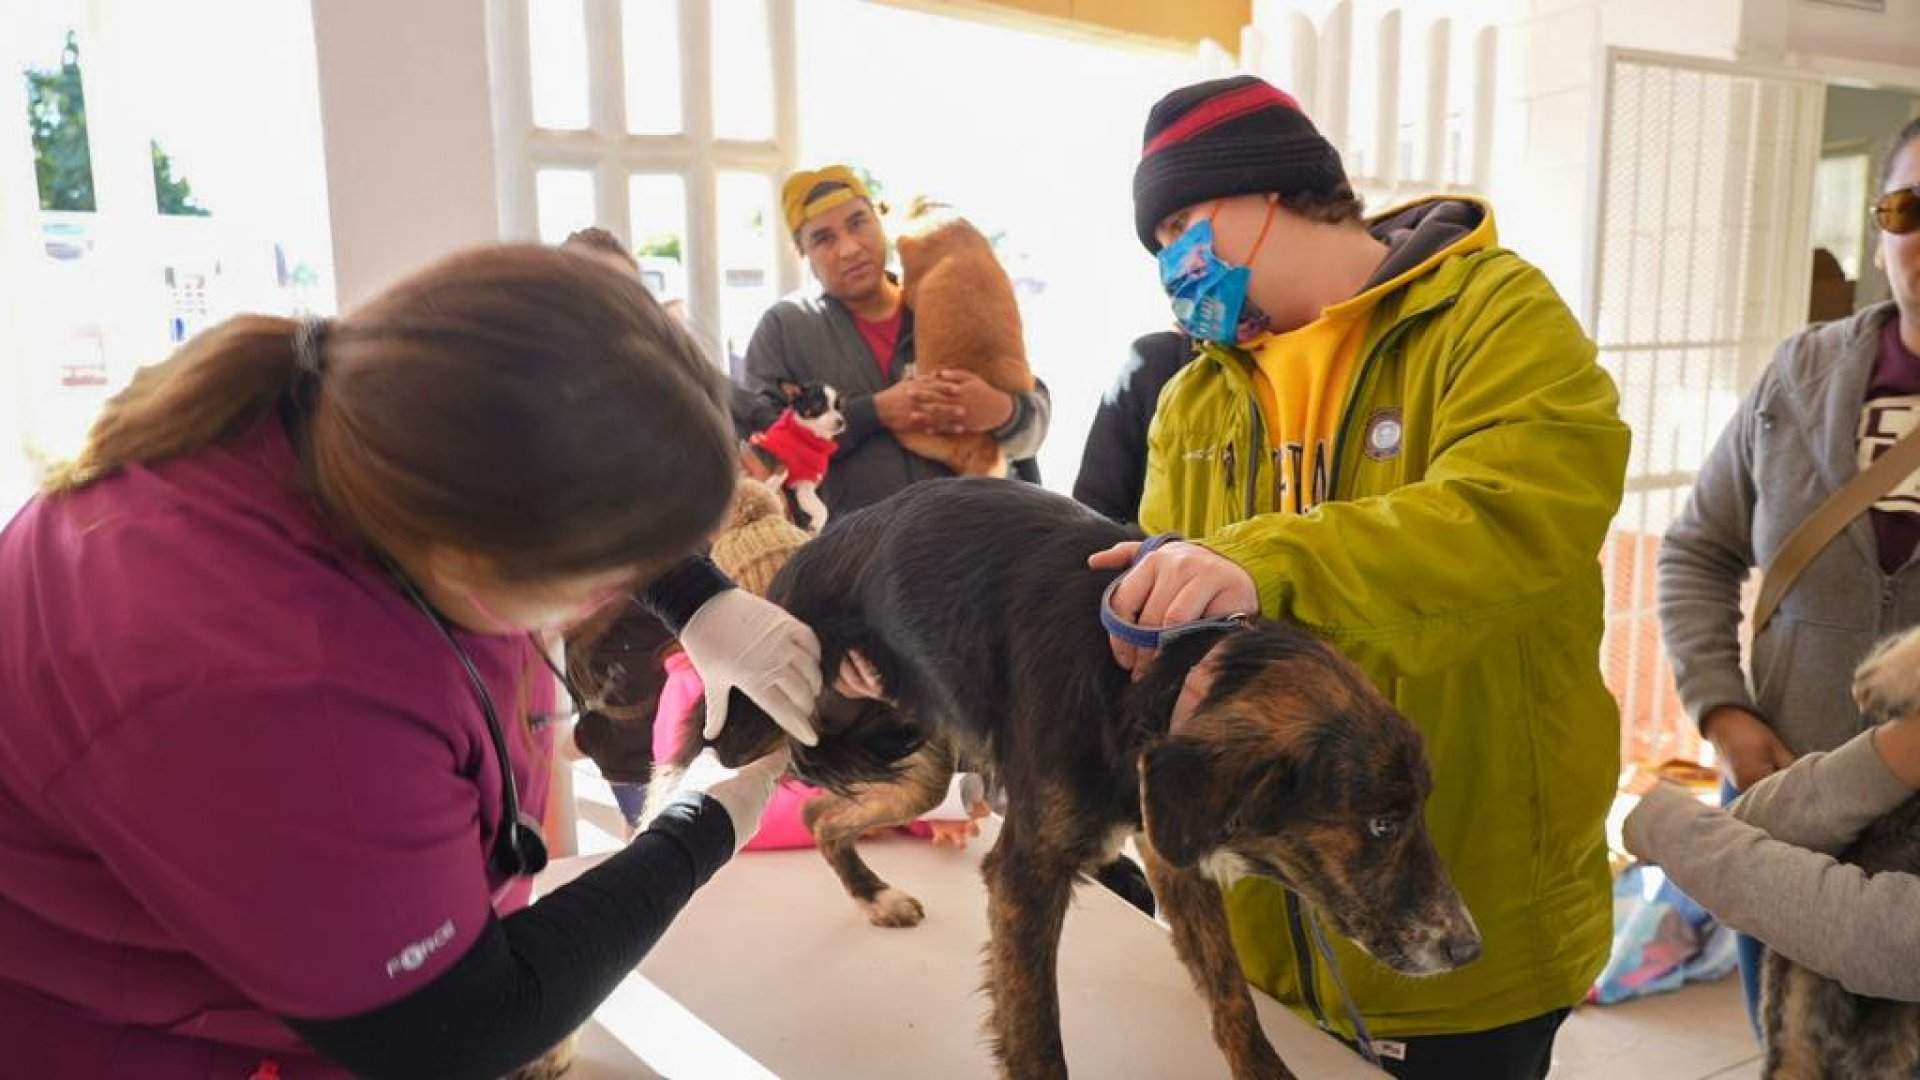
(651, 46)
(172, 191)
(746, 232)
(565, 199)
(557, 41)
(57, 115)
(1841, 189)
(658, 208)
(742, 70)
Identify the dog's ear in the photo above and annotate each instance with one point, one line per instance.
(791, 390)
(1184, 806)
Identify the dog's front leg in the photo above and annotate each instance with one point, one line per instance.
(807, 496)
(838, 822)
(1195, 909)
(1027, 895)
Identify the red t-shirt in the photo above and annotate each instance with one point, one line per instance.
(240, 775)
(882, 338)
(1891, 410)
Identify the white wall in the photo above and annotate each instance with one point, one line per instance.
(1552, 97)
(409, 136)
(1885, 37)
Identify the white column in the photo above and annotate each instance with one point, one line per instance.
(703, 233)
(512, 118)
(607, 108)
(405, 107)
(1386, 114)
(1332, 95)
(783, 33)
(1431, 158)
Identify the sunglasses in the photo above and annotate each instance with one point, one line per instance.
(1898, 211)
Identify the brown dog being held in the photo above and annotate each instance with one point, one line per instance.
(965, 318)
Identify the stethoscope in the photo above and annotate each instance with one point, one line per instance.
(519, 850)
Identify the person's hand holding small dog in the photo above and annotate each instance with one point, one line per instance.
(962, 403)
(904, 406)
(1178, 583)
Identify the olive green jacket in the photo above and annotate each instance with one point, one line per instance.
(1477, 467)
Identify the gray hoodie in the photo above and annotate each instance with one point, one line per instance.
(1790, 446)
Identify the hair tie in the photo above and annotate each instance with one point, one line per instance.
(309, 343)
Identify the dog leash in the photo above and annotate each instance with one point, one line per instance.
(1361, 1036)
(1155, 638)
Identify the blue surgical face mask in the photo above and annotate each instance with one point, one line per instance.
(1209, 295)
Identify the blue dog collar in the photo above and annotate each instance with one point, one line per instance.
(1155, 639)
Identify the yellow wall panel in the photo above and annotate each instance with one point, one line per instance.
(1178, 22)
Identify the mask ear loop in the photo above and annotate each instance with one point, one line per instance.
(1272, 205)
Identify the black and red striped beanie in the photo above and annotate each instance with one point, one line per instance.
(1237, 136)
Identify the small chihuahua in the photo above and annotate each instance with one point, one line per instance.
(798, 447)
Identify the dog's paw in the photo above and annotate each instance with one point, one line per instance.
(1887, 682)
(893, 908)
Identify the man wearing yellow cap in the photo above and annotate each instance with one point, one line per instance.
(855, 333)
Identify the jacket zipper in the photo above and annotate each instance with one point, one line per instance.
(1298, 931)
(1253, 456)
(1391, 337)
(1228, 460)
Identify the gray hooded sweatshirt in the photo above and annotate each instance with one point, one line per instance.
(1790, 446)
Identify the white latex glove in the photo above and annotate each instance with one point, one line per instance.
(742, 792)
(739, 641)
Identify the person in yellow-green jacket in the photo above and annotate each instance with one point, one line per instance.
(1396, 435)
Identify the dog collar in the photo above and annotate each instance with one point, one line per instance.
(1155, 638)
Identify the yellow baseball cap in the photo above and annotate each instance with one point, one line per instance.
(793, 194)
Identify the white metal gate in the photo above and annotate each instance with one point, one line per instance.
(1703, 265)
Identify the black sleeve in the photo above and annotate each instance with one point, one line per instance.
(674, 596)
(766, 364)
(1113, 466)
(533, 978)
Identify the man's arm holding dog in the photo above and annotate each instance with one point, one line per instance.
(962, 403)
(770, 361)
(1510, 514)
(1022, 434)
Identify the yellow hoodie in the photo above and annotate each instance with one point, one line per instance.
(1302, 378)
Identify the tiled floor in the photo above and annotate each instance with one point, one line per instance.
(1699, 1033)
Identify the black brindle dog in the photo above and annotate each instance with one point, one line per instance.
(973, 600)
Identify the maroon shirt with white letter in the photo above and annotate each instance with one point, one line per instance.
(1892, 409)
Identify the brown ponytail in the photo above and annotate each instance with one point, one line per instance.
(220, 382)
(530, 405)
